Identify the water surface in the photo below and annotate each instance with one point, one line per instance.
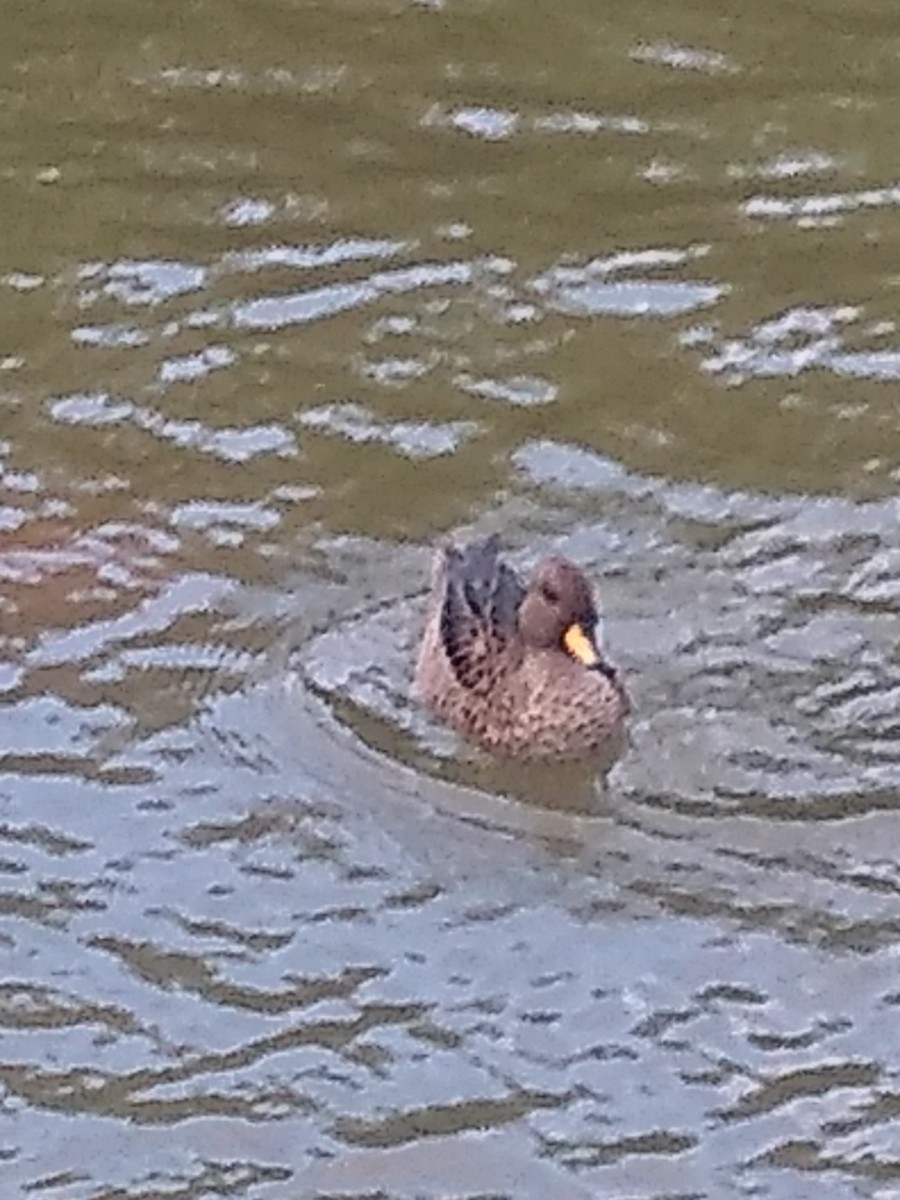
(289, 291)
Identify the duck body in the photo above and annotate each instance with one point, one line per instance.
(516, 667)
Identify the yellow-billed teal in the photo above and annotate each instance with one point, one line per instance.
(517, 669)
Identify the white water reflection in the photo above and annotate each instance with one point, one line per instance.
(802, 340)
(607, 286)
(803, 208)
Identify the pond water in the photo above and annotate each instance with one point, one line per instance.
(289, 291)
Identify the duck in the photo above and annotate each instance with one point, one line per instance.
(517, 667)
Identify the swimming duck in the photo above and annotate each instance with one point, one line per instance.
(517, 668)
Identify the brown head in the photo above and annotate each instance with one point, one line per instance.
(558, 613)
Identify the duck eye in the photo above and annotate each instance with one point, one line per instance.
(550, 594)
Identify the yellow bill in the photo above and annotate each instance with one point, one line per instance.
(580, 646)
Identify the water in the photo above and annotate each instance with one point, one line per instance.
(287, 293)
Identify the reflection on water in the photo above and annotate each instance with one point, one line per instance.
(288, 293)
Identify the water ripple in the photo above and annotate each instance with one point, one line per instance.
(273, 312)
(414, 439)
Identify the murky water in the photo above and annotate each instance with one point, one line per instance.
(289, 290)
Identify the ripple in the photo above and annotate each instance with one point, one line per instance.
(139, 284)
(109, 336)
(549, 462)
(273, 312)
(596, 289)
(210, 514)
(341, 250)
(685, 58)
(246, 212)
(634, 298)
(817, 207)
(188, 368)
(48, 726)
(589, 122)
(397, 372)
(500, 125)
(235, 445)
(790, 165)
(157, 613)
(12, 518)
(489, 124)
(798, 340)
(23, 281)
(751, 628)
(520, 391)
(230, 445)
(94, 410)
(271, 80)
(413, 439)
